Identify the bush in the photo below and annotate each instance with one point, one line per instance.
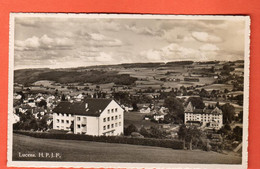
(166, 143)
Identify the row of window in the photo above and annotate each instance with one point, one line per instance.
(63, 121)
(190, 114)
(79, 118)
(64, 115)
(107, 127)
(203, 117)
(111, 110)
(62, 127)
(112, 118)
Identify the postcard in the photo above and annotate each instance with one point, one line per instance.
(128, 91)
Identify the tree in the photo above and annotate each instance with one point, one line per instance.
(240, 116)
(63, 97)
(135, 108)
(238, 133)
(72, 126)
(197, 102)
(193, 134)
(131, 128)
(203, 93)
(43, 123)
(176, 109)
(182, 133)
(225, 130)
(155, 132)
(228, 113)
(144, 132)
(42, 103)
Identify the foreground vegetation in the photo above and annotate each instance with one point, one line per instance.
(85, 151)
(167, 143)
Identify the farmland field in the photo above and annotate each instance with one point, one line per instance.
(85, 151)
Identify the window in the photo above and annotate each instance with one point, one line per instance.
(116, 117)
(108, 111)
(104, 127)
(112, 110)
(108, 119)
(67, 121)
(58, 120)
(67, 128)
(119, 116)
(78, 118)
(58, 127)
(108, 126)
(84, 118)
(119, 123)
(112, 125)
(83, 125)
(115, 109)
(116, 124)
(62, 121)
(112, 118)
(78, 126)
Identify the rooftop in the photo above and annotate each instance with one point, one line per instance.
(88, 107)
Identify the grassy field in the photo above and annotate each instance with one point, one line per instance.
(136, 118)
(84, 151)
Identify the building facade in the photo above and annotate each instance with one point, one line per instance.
(205, 118)
(91, 117)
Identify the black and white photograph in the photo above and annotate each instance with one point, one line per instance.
(128, 90)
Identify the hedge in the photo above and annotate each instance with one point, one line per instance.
(166, 143)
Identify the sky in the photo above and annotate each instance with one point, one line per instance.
(49, 42)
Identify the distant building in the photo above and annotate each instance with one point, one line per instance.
(208, 118)
(145, 109)
(15, 118)
(90, 117)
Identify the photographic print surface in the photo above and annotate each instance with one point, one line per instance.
(106, 90)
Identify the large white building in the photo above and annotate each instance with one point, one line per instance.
(91, 117)
(208, 118)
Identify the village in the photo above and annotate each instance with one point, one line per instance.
(199, 103)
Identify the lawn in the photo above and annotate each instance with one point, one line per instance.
(136, 118)
(85, 151)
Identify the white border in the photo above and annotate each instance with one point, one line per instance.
(11, 163)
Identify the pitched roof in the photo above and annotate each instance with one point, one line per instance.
(94, 107)
(189, 108)
(216, 111)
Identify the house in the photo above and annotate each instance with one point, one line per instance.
(158, 116)
(145, 109)
(205, 118)
(90, 116)
(15, 118)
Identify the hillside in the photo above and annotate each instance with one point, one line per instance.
(29, 76)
